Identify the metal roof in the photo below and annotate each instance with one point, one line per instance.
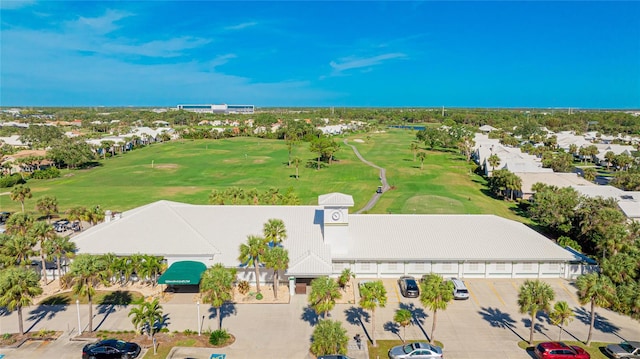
(448, 238)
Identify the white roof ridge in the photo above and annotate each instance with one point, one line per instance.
(188, 224)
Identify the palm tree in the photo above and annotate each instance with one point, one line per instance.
(87, 271)
(19, 224)
(329, 337)
(274, 232)
(146, 315)
(403, 318)
(345, 277)
(216, 197)
(296, 162)
(43, 233)
(435, 293)
(20, 193)
(534, 296)
(47, 205)
(149, 268)
(217, 286)
(373, 295)
(561, 315)
(414, 149)
(76, 214)
(324, 292)
(235, 193)
(253, 196)
(276, 258)
(60, 247)
(494, 161)
(17, 287)
(251, 254)
(17, 249)
(421, 156)
(598, 290)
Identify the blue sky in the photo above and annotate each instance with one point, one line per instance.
(302, 53)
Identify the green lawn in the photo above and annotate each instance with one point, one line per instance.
(187, 171)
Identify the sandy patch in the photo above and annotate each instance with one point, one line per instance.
(358, 140)
(166, 166)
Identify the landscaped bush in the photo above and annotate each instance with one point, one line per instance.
(50, 172)
(259, 296)
(10, 181)
(243, 287)
(219, 337)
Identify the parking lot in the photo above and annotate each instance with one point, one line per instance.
(486, 326)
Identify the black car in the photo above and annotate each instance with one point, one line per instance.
(408, 287)
(110, 348)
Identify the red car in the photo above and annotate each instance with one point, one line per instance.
(559, 350)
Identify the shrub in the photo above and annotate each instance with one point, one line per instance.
(10, 181)
(259, 296)
(189, 332)
(219, 337)
(50, 172)
(243, 287)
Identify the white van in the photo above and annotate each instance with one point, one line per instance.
(460, 291)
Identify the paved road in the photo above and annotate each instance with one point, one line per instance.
(487, 326)
(383, 179)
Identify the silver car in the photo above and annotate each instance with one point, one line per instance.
(417, 350)
(630, 350)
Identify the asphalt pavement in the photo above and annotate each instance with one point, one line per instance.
(486, 326)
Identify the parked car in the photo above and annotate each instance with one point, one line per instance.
(334, 356)
(460, 290)
(110, 348)
(559, 350)
(61, 225)
(416, 350)
(624, 350)
(408, 287)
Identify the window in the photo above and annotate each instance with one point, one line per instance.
(365, 266)
(420, 267)
(393, 266)
(446, 267)
(501, 266)
(554, 267)
(473, 267)
(527, 266)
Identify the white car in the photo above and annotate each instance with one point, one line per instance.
(416, 350)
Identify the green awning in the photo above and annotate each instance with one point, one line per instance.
(183, 273)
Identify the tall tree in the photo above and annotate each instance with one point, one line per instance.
(20, 193)
(217, 287)
(274, 232)
(414, 149)
(18, 286)
(329, 337)
(86, 272)
(251, 254)
(146, 316)
(277, 259)
(494, 161)
(324, 292)
(403, 317)
(422, 156)
(60, 247)
(561, 315)
(598, 290)
(435, 294)
(372, 296)
(534, 296)
(47, 205)
(43, 233)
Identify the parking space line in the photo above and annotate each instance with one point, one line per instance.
(515, 286)
(571, 295)
(493, 289)
(473, 296)
(395, 289)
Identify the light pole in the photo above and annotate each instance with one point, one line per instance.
(198, 318)
(79, 325)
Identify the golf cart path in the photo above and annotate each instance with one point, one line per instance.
(383, 179)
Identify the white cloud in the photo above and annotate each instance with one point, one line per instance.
(157, 48)
(100, 25)
(352, 62)
(241, 26)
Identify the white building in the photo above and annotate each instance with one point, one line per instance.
(223, 108)
(325, 239)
